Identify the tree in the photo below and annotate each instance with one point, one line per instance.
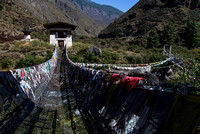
(169, 35)
(192, 35)
(1, 5)
(153, 40)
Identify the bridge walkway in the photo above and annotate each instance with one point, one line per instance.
(50, 113)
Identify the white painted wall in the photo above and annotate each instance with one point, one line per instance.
(27, 37)
(67, 41)
(53, 40)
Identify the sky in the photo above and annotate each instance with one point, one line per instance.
(123, 5)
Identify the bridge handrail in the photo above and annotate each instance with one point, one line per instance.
(34, 78)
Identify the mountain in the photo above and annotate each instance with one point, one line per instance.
(149, 15)
(89, 17)
(103, 13)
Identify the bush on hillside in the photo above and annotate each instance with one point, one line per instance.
(40, 36)
(1, 5)
(153, 40)
(6, 63)
(169, 35)
(48, 56)
(90, 58)
(131, 59)
(25, 62)
(192, 35)
(139, 60)
(190, 75)
(76, 58)
(110, 58)
(33, 45)
(151, 57)
(31, 60)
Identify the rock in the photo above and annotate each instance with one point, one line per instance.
(170, 72)
(43, 53)
(167, 78)
(77, 113)
(151, 78)
(96, 50)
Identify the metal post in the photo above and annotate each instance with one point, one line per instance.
(170, 51)
(164, 50)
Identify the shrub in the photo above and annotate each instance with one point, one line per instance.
(153, 40)
(48, 56)
(6, 63)
(90, 58)
(40, 35)
(16, 47)
(139, 60)
(192, 35)
(76, 58)
(39, 60)
(116, 47)
(1, 5)
(25, 62)
(13, 21)
(35, 43)
(25, 49)
(190, 74)
(169, 35)
(109, 57)
(131, 59)
(153, 57)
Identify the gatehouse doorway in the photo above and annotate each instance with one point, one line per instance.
(61, 44)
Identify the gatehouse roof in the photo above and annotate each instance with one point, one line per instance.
(60, 25)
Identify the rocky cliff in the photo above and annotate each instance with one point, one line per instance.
(147, 15)
(191, 4)
(102, 13)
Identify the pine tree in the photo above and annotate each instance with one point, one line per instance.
(169, 35)
(192, 35)
(1, 5)
(153, 40)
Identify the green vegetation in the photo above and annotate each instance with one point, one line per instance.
(41, 36)
(1, 5)
(190, 75)
(25, 62)
(192, 35)
(120, 51)
(169, 35)
(153, 40)
(25, 47)
(6, 63)
(13, 21)
(113, 52)
(24, 54)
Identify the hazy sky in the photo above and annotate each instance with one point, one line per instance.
(123, 5)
